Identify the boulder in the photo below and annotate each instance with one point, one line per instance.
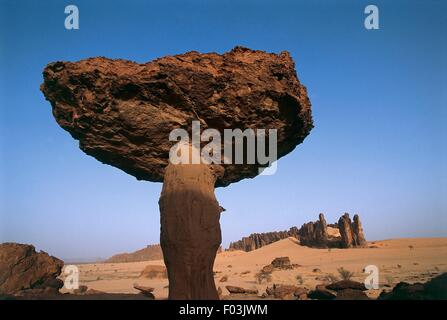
(346, 284)
(81, 290)
(234, 289)
(321, 293)
(351, 294)
(268, 269)
(22, 268)
(282, 263)
(147, 291)
(434, 289)
(154, 271)
(286, 292)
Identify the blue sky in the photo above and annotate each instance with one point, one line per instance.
(379, 105)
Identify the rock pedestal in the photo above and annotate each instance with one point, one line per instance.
(190, 230)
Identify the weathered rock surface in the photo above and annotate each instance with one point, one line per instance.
(22, 268)
(122, 112)
(240, 290)
(357, 229)
(268, 269)
(346, 284)
(151, 252)
(147, 291)
(321, 293)
(282, 263)
(351, 294)
(287, 292)
(314, 234)
(434, 289)
(190, 231)
(351, 233)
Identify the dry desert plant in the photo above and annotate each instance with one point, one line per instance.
(345, 274)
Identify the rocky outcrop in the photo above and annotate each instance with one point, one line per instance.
(351, 294)
(357, 229)
(124, 114)
(258, 240)
(240, 290)
(317, 234)
(146, 291)
(287, 292)
(282, 263)
(346, 284)
(434, 289)
(24, 269)
(321, 293)
(151, 252)
(314, 234)
(154, 271)
(351, 233)
(340, 290)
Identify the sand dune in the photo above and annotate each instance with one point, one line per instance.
(409, 259)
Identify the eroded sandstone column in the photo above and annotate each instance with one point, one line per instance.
(345, 227)
(190, 231)
(357, 228)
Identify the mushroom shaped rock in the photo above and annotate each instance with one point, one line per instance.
(123, 113)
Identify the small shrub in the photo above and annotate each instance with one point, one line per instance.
(345, 274)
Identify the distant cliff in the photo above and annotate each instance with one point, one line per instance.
(151, 252)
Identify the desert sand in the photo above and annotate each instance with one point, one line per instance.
(407, 259)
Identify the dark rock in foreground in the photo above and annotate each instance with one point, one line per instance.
(351, 294)
(282, 263)
(346, 284)
(287, 292)
(321, 293)
(435, 289)
(25, 271)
